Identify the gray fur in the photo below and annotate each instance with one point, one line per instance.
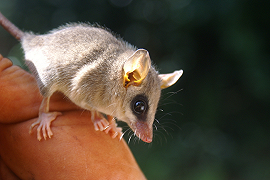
(86, 64)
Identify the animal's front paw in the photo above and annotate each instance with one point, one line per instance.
(44, 124)
(113, 130)
(100, 123)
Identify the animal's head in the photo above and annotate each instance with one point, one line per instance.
(143, 87)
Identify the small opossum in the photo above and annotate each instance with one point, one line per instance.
(98, 72)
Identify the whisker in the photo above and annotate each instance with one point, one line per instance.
(170, 114)
(172, 93)
(155, 126)
(129, 139)
(164, 126)
(111, 104)
(124, 133)
(172, 102)
(130, 136)
(165, 115)
(136, 139)
(121, 137)
(175, 91)
(165, 130)
(113, 111)
(158, 138)
(174, 124)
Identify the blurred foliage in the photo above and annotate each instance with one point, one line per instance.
(214, 123)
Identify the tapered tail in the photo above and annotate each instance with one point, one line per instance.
(11, 28)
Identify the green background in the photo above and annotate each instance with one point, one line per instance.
(214, 123)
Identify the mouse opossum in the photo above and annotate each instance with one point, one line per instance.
(96, 71)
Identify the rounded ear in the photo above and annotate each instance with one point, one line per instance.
(169, 79)
(136, 68)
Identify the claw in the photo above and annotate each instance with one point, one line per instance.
(114, 130)
(44, 122)
(100, 123)
(115, 135)
(108, 128)
(33, 125)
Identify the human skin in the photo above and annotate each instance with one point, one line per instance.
(75, 151)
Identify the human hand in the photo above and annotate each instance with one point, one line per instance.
(76, 151)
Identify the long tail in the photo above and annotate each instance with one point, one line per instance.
(11, 28)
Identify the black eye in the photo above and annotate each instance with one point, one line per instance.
(139, 107)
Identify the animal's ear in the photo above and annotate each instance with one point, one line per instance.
(136, 68)
(169, 79)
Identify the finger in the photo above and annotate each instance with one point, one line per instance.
(4, 63)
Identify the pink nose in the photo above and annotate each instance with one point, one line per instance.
(147, 139)
(144, 131)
